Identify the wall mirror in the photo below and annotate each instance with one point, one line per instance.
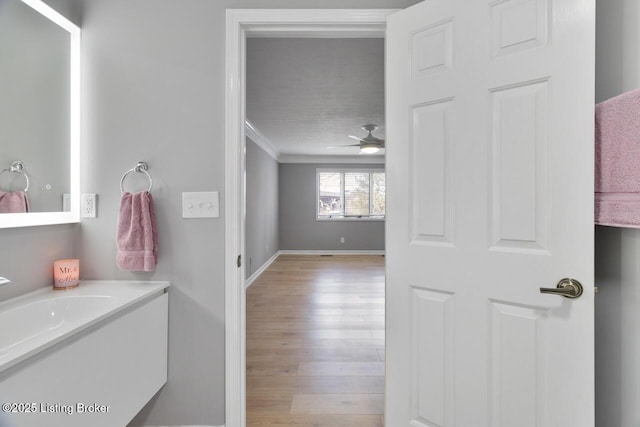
(39, 115)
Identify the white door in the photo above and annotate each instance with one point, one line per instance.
(490, 197)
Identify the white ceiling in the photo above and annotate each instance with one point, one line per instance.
(305, 95)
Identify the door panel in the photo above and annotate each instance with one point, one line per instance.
(490, 197)
(432, 201)
(519, 193)
(432, 314)
(517, 354)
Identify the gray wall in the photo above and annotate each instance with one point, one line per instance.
(299, 229)
(154, 90)
(261, 241)
(617, 249)
(617, 47)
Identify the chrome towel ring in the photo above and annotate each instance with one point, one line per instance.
(140, 167)
(17, 167)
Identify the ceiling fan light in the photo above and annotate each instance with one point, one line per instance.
(369, 149)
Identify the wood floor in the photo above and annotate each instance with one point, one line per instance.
(315, 342)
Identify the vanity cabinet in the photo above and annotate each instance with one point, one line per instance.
(99, 377)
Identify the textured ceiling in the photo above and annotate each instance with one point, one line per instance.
(305, 95)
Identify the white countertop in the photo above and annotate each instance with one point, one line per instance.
(38, 320)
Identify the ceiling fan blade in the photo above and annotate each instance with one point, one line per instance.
(356, 138)
(343, 146)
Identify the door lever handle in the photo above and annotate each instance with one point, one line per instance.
(568, 288)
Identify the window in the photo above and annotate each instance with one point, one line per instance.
(350, 194)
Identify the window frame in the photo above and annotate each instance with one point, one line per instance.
(344, 217)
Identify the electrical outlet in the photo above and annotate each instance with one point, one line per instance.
(88, 208)
(66, 202)
(342, 240)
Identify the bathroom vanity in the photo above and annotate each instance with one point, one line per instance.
(90, 356)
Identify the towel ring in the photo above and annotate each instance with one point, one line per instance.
(17, 167)
(140, 167)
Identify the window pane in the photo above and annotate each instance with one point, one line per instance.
(329, 186)
(356, 193)
(378, 194)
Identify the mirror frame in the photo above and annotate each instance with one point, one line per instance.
(9, 220)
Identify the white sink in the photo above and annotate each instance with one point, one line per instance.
(102, 345)
(35, 321)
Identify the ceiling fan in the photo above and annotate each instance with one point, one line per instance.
(369, 144)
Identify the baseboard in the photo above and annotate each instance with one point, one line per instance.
(270, 261)
(332, 252)
(259, 271)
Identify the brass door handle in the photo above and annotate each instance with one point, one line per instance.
(568, 288)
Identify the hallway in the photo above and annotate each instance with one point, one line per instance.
(315, 342)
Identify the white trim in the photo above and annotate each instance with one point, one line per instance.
(347, 170)
(331, 252)
(259, 271)
(350, 218)
(317, 158)
(254, 134)
(235, 144)
(259, 22)
(337, 33)
(315, 23)
(275, 256)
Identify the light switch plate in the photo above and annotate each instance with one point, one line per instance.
(201, 204)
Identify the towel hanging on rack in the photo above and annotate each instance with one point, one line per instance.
(15, 201)
(617, 161)
(18, 168)
(137, 235)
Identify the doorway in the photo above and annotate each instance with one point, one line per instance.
(315, 321)
(281, 23)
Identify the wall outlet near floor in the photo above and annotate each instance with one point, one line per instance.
(88, 205)
(342, 240)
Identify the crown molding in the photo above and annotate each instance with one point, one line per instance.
(254, 134)
(303, 158)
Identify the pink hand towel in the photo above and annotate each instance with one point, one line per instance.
(617, 161)
(14, 202)
(137, 236)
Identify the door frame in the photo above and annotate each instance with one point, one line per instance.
(312, 23)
